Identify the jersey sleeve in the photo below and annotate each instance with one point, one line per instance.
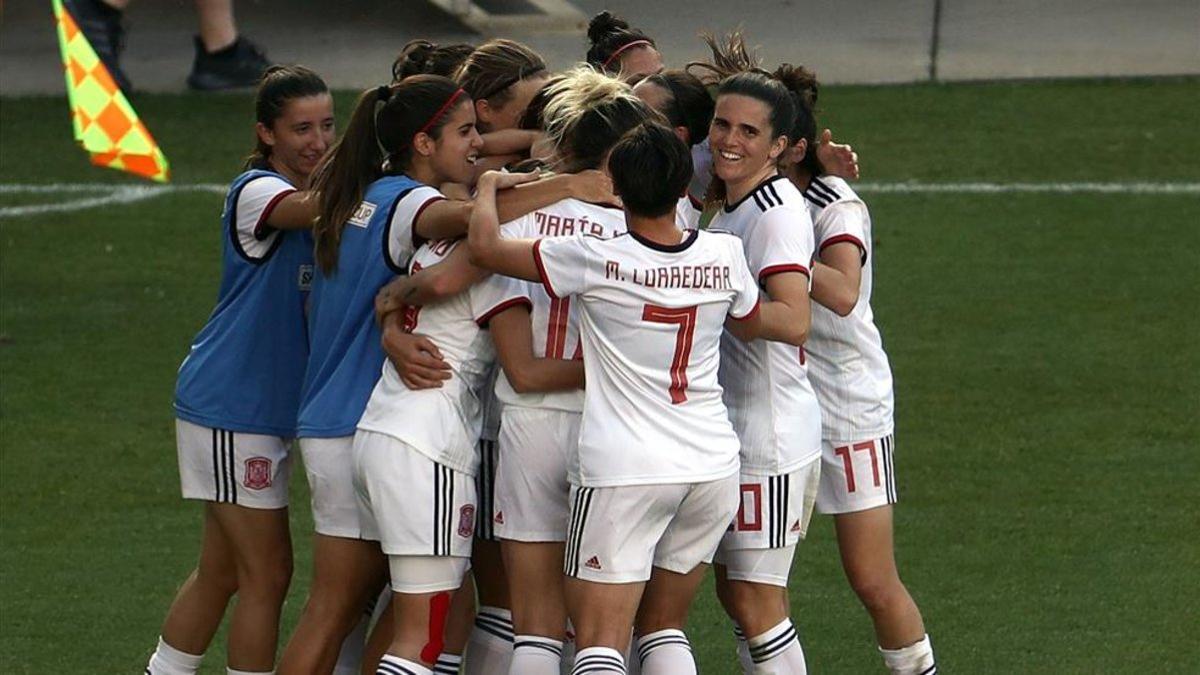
(497, 293)
(781, 242)
(401, 239)
(254, 205)
(842, 222)
(562, 264)
(746, 297)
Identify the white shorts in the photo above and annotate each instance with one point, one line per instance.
(409, 503)
(231, 467)
(773, 511)
(856, 475)
(532, 492)
(328, 463)
(617, 534)
(485, 488)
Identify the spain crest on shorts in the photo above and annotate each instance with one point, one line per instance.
(466, 520)
(258, 473)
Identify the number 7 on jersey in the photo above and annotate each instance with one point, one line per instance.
(685, 319)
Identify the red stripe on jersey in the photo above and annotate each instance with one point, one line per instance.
(506, 305)
(416, 238)
(261, 226)
(845, 239)
(541, 268)
(750, 314)
(556, 337)
(780, 269)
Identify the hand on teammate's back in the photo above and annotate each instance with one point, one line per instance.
(596, 187)
(415, 357)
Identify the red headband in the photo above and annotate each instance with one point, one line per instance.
(614, 55)
(441, 111)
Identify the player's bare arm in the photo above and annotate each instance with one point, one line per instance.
(786, 317)
(837, 277)
(296, 211)
(430, 285)
(513, 336)
(415, 357)
(511, 257)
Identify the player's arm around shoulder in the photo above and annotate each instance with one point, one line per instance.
(488, 250)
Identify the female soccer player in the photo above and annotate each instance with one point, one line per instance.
(624, 52)
(654, 483)
(239, 388)
(422, 57)
(369, 220)
(586, 114)
(771, 403)
(502, 76)
(415, 462)
(853, 381)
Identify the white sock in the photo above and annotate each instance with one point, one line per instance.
(915, 659)
(166, 660)
(596, 660)
(490, 646)
(233, 671)
(743, 650)
(447, 664)
(666, 652)
(394, 665)
(536, 655)
(778, 651)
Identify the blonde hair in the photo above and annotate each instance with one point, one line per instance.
(586, 113)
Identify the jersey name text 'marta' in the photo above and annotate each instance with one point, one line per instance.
(653, 410)
(771, 402)
(444, 423)
(847, 363)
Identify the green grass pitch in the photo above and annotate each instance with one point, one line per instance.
(1045, 348)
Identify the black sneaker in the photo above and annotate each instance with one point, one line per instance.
(101, 25)
(241, 64)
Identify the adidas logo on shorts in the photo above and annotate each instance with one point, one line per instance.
(499, 519)
(796, 526)
(592, 563)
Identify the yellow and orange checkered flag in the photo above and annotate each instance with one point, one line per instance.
(105, 124)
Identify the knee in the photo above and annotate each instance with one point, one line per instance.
(267, 579)
(746, 603)
(877, 592)
(216, 580)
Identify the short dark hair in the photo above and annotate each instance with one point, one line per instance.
(651, 169)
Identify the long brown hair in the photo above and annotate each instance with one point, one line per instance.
(377, 140)
(279, 85)
(491, 70)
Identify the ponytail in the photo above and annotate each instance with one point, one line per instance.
(378, 140)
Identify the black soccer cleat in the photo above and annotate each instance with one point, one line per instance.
(101, 25)
(241, 64)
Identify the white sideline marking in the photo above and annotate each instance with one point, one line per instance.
(117, 193)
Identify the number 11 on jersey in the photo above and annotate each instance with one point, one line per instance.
(685, 319)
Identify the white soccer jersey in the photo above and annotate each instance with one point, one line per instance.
(847, 363)
(444, 423)
(555, 321)
(771, 402)
(652, 318)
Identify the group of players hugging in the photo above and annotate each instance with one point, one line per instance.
(420, 302)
